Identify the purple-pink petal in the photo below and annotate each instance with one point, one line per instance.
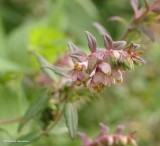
(105, 67)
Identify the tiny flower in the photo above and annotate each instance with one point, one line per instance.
(131, 139)
(117, 74)
(97, 82)
(78, 74)
(98, 76)
(84, 137)
(134, 54)
(125, 61)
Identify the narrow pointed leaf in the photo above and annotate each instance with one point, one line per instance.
(73, 48)
(26, 139)
(92, 43)
(71, 118)
(35, 108)
(119, 19)
(108, 43)
(58, 70)
(44, 62)
(100, 28)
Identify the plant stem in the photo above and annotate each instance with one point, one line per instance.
(54, 124)
(10, 121)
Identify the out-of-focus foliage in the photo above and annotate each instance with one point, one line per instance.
(45, 26)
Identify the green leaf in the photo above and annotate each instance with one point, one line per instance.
(57, 70)
(119, 19)
(38, 105)
(26, 139)
(43, 62)
(71, 118)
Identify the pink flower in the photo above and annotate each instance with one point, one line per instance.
(103, 66)
(106, 139)
(78, 74)
(134, 54)
(98, 77)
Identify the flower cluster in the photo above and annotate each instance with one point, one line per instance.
(104, 66)
(106, 139)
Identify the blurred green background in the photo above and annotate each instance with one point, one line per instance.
(46, 26)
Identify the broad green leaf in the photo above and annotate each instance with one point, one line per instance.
(26, 139)
(71, 118)
(36, 107)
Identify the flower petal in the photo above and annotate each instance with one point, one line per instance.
(119, 129)
(105, 67)
(100, 78)
(100, 54)
(104, 129)
(118, 76)
(82, 76)
(93, 72)
(89, 84)
(92, 61)
(86, 140)
(73, 74)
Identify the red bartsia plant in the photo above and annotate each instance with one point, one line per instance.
(106, 139)
(95, 71)
(103, 66)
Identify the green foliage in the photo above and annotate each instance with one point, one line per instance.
(47, 41)
(26, 139)
(71, 118)
(36, 107)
